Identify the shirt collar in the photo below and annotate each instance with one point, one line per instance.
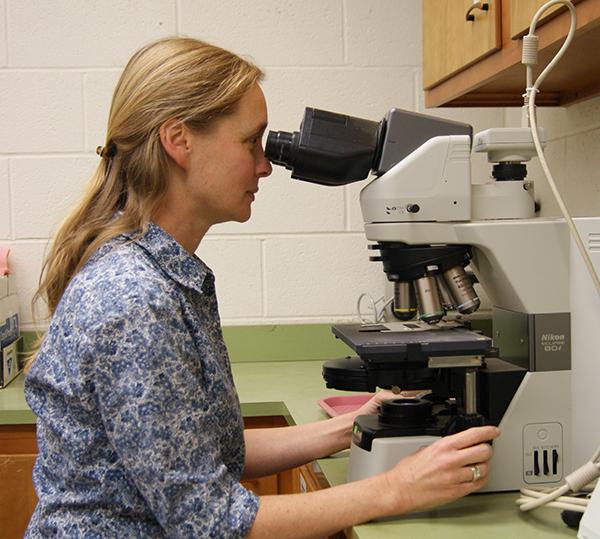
(184, 268)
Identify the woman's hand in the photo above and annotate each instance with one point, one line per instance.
(444, 471)
(372, 405)
(346, 421)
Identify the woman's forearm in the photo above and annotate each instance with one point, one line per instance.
(273, 450)
(437, 474)
(324, 512)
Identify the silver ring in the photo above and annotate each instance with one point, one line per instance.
(476, 473)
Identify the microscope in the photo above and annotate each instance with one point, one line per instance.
(436, 233)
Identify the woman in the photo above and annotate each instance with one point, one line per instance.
(139, 425)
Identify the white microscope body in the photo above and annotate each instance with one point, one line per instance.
(537, 378)
(533, 278)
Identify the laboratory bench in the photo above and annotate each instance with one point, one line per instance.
(274, 393)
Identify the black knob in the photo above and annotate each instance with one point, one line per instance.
(412, 208)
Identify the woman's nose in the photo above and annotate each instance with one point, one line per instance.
(264, 167)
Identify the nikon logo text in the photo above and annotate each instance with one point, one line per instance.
(553, 342)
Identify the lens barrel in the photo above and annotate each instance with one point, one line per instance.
(405, 300)
(428, 298)
(279, 148)
(461, 287)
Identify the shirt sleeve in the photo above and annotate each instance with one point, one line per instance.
(157, 415)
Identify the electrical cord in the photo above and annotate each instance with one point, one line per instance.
(576, 481)
(531, 91)
(583, 476)
(378, 313)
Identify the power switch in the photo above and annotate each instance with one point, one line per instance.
(546, 466)
(542, 453)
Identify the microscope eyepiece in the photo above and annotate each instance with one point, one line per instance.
(329, 148)
(280, 147)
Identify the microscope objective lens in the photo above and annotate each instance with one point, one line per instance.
(428, 298)
(405, 300)
(461, 289)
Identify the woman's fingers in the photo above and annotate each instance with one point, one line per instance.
(472, 436)
(472, 455)
(476, 473)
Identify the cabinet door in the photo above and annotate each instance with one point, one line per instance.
(263, 486)
(451, 43)
(18, 450)
(522, 11)
(17, 497)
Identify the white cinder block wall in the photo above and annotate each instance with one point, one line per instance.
(302, 257)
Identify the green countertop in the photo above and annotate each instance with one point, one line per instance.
(13, 408)
(292, 389)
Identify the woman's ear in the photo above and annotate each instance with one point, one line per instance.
(174, 136)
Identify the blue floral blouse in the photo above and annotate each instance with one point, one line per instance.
(139, 425)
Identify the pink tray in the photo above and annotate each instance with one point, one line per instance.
(342, 404)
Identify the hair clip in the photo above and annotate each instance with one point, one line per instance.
(108, 151)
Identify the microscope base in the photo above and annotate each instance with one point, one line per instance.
(534, 429)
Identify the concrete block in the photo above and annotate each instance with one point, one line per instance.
(284, 205)
(12, 284)
(237, 267)
(3, 56)
(576, 173)
(98, 88)
(26, 259)
(44, 189)
(366, 93)
(3, 286)
(383, 33)
(319, 275)
(4, 200)
(41, 112)
(83, 34)
(285, 32)
(566, 121)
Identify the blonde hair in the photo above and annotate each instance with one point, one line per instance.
(179, 78)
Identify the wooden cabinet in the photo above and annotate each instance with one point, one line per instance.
(452, 42)
(522, 11)
(287, 482)
(488, 72)
(311, 478)
(18, 450)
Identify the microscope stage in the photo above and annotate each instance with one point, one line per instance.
(381, 343)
